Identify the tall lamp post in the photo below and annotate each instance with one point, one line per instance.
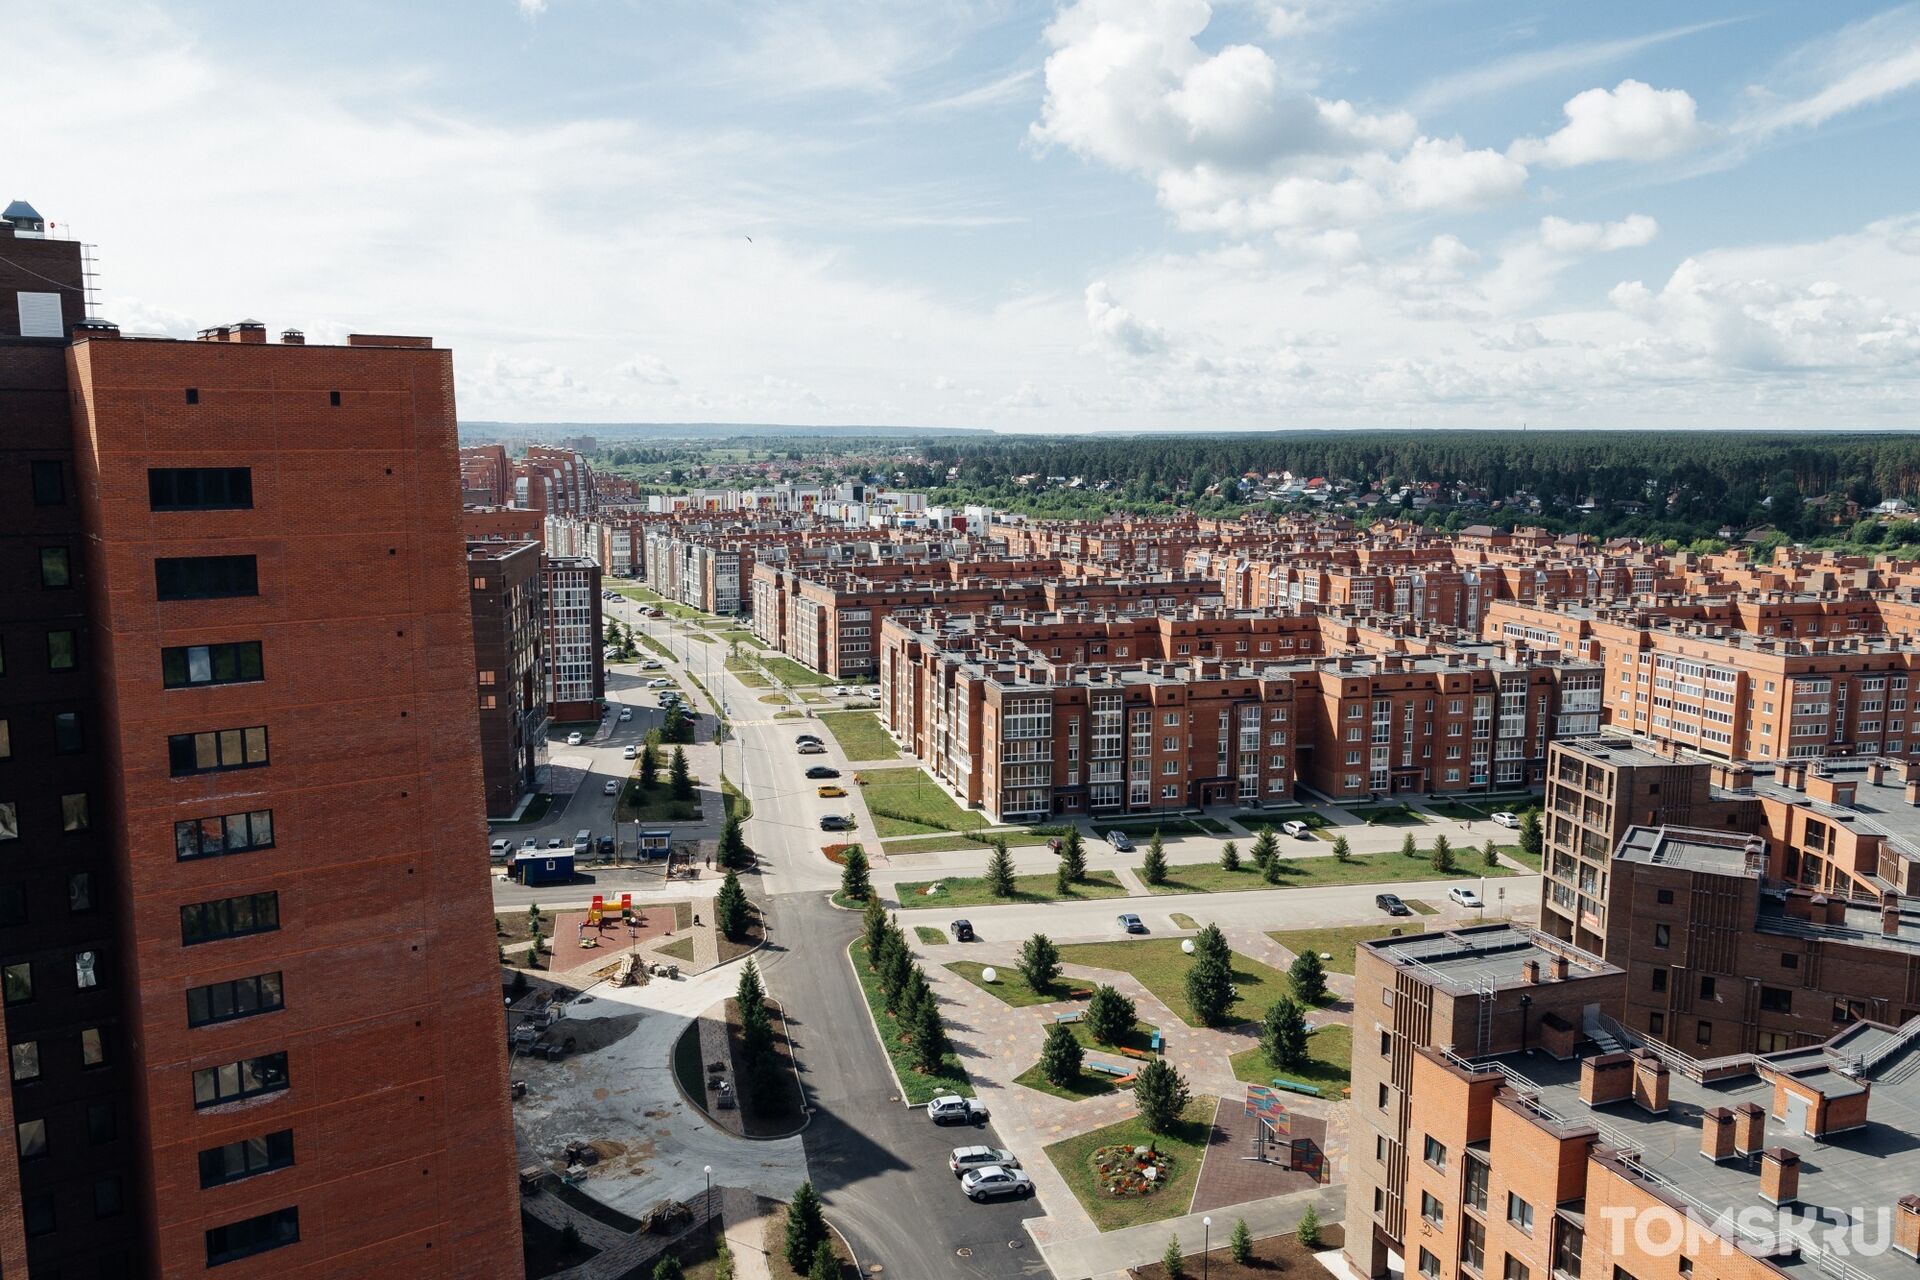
(1206, 1246)
(708, 1170)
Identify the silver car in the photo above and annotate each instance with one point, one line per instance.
(965, 1160)
(996, 1180)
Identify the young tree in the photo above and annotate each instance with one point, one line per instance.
(929, 1037)
(854, 884)
(1309, 977)
(806, 1228)
(649, 770)
(826, 1263)
(1160, 1094)
(679, 780)
(915, 996)
(1342, 851)
(1308, 1232)
(1283, 1034)
(1266, 846)
(1240, 1243)
(1209, 985)
(1174, 1262)
(1442, 854)
(1153, 864)
(873, 924)
(1270, 869)
(1061, 1056)
(569, 1239)
(730, 907)
(1211, 942)
(733, 844)
(1530, 837)
(1039, 962)
(896, 969)
(1109, 1015)
(1062, 881)
(1073, 855)
(1408, 849)
(1230, 856)
(1000, 869)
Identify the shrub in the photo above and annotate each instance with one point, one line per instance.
(1283, 1034)
(1109, 1015)
(1161, 1095)
(1308, 1232)
(1039, 963)
(854, 883)
(1230, 856)
(1342, 851)
(1061, 1056)
(1240, 1243)
(1173, 1262)
(1153, 864)
(1309, 978)
(806, 1228)
(1000, 869)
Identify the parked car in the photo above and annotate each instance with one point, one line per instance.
(530, 843)
(1298, 830)
(962, 930)
(612, 788)
(626, 713)
(1506, 819)
(499, 848)
(554, 842)
(841, 691)
(806, 737)
(630, 752)
(574, 739)
(606, 851)
(995, 1181)
(1130, 923)
(835, 822)
(1465, 897)
(967, 1159)
(1392, 904)
(658, 682)
(1119, 842)
(951, 1108)
(651, 664)
(831, 792)
(811, 749)
(823, 771)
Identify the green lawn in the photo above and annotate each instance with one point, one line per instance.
(641, 595)
(951, 1078)
(1254, 819)
(1011, 988)
(1458, 810)
(1340, 942)
(1169, 830)
(1388, 815)
(739, 636)
(1521, 856)
(648, 642)
(1299, 873)
(860, 735)
(929, 937)
(657, 805)
(907, 802)
(1330, 1070)
(1139, 1036)
(1088, 1084)
(787, 671)
(680, 949)
(747, 673)
(972, 891)
(1186, 1144)
(1161, 968)
(957, 841)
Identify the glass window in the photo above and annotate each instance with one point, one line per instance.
(9, 820)
(210, 664)
(1519, 1213)
(80, 891)
(26, 1059)
(67, 737)
(86, 969)
(199, 488)
(229, 918)
(253, 1235)
(17, 982)
(246, 1159)
(62, 650)
(205, 577)
(73, 812)
(32, 1138)
(56, 568)
(213, 1085)
(93, 1047)
(102, 1125)
(107, 1198)
(49, 484)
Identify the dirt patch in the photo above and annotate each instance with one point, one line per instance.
(1271, 1257)
(590, 1034)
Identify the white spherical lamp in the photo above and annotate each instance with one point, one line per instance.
(1186, 945)
(989, 974)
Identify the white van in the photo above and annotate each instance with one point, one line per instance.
(582, 841)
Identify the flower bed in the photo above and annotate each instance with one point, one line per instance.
(1125, 1170)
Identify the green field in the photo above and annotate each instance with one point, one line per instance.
(951, 1078)
(907, 802)
(972, 891)
(1340, 942)
(1010, 988)
(1330, 1069)
(1161, 967)
(1388, 815)
(1088, 1084)
(1170, 830)
(1301, 873)
(789, 672)
(747, 673)
(929, 937)
(860, 734)
(1187, 1144)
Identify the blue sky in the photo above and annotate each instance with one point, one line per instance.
(1105, 214)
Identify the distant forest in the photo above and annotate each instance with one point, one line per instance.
(1691, 484)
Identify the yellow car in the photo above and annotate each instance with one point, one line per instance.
(832, 793)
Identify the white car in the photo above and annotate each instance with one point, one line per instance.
(841, 691)
(967, 1159)
(612, 788)
(629, 752)
(626, 713)
(1298, 830)
(574, 739)
(651, 664)
(658, 682)
(1505, 819)
(996, 1180)
(499, 848)
(951, 1108)
(1465, 897)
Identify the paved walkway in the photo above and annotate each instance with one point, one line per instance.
(746, 1217)
(1111, 1253)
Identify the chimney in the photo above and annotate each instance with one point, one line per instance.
(1650, 1083)
(1890, 915)
(1906, 1226)
(1557, 968)
(249, 331)
(292, 338)
(1716, 1134)
(1876, 772)
(1836, 910)
(1749, 1128)
(1913, 792)
(1530, 972)
(1779, 1176)
(1606, 1077)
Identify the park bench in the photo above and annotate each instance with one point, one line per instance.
(1281, 1082)
(1109, 1069)
(1074, 1016)
(1156, 1042)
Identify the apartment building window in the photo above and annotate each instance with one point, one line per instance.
(25, 1060)
(236, 998)
(1776, 1000)
(205, 577)
(49, 484)
(1473, 1245)
(73, 812)
(1657, 1024)
(86, 970)
(1703, 1033)
(1515, 1269)
(31, 1138)
(63, 650)
(217, 750)
(248, 1078)
(67, 738)
(1431, 1209)
(1476, 1186)
(229, 918)
(1662, 935)
(1519, 1213)
(228, 833)
(211, 664)
(9, 820)
(1435, 1152)
(56, 568)
(16, 981)
(247, 1158)
(1429, 1265)
(1659, 980)
(249, 1236)
(1569, 1243)
(199, 488)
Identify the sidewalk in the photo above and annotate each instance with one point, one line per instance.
(1111, 1253)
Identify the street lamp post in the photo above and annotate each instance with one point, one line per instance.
(1206, 1246)
(708, 1170)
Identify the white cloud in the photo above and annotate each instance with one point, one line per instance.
(1116, 330)
(530, 8)
(1514, 70)
(1861, 64)
(1442, 173)
(1631, 232)
(648, 369)
(1632, 121)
